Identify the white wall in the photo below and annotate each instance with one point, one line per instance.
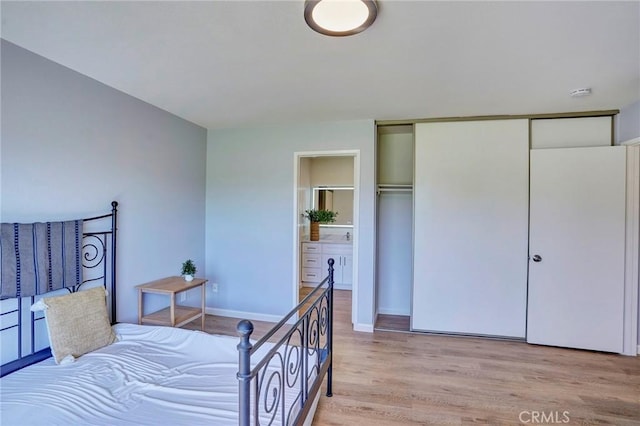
(332, 171)
(395, 253)
(249, 221)
(629, 128)
(628, 122)
(71, 145)
(395, 221)
(305, 192)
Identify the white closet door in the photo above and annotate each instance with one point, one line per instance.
(471, 227)
(576, 290)
(571, 132)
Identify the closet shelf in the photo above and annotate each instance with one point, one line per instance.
(394, 188)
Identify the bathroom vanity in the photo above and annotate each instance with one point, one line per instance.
(316, 254)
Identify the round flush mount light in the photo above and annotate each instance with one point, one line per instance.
(340, 18)
(583, 91)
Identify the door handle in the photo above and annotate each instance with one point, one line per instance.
(537, 258)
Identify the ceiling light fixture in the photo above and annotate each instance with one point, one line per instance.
(340, 18)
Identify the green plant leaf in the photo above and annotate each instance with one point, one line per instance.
(188, 268)
(321, 216)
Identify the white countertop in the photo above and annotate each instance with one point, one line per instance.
(333, 239)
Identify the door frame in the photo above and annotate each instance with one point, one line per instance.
(297, 156)
(632, 255)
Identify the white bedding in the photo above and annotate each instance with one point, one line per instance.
(142, 379)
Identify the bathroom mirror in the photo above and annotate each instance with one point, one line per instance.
(335, 198)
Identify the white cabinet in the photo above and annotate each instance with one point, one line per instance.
(311, 271)
(347, 269)
(342, 255)
(315, 256)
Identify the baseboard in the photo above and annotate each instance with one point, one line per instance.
(384, 311)
(365, 328)
(243, 315)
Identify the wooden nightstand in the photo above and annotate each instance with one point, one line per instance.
(173, 315)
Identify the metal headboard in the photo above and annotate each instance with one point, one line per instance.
(99, 239)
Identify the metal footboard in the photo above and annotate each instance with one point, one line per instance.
(280, 386)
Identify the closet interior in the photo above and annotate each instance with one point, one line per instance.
(394, 226)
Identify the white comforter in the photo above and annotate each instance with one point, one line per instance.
(142, 379)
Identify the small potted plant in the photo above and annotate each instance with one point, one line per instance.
(316, 217)
(188, 270)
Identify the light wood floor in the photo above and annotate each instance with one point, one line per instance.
(391, 378)
(393, 323)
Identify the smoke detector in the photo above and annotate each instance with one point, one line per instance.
(584, 91)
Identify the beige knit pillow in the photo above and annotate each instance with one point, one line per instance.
(78, 323)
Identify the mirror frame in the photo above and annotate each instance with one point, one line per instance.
(314, 191)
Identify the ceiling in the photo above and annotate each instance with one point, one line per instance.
(236, 63)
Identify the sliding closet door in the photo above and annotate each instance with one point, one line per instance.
(471, 227)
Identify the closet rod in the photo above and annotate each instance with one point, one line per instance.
(395, 185)
(380, 190)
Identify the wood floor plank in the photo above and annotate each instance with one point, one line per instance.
(386, 322)
(391, 378)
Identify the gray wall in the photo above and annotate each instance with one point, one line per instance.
(249, 224)
(629, 122)
(71, 145)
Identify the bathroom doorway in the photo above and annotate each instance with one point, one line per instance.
(327, 180)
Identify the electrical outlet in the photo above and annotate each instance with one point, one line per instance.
(214, 287)
(183, 296)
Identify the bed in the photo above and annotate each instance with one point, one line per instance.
(151, 374)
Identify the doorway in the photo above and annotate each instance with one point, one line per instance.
(334, 174)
